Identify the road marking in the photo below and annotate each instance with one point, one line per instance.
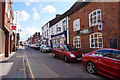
(93, 76)
(29, 67)
(22, 69)
(67, 64)
(19, 56)
(78, 69)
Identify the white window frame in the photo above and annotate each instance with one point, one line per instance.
(76, 25)
(92, 24)
(97, 33)
(79, 41)
(64, 24)
(58, 28)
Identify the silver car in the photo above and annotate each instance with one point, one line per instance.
(45, 48)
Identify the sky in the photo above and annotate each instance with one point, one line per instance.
(33, 14)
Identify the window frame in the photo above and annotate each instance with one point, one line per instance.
(64, 24)
(95, 11)
(95, 38)
(76, 22)
(79, 41)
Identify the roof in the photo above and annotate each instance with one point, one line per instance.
(74, 8)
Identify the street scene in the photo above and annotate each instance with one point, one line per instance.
(60, 40)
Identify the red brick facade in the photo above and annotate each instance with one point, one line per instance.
(110, 12)
(6, 23)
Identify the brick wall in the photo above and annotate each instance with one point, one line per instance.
(109, 12)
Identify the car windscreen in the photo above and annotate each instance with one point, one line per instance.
(70, 47)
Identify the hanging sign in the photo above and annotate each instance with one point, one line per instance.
(13, 27)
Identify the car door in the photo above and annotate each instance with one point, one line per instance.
(116, 63)
(62, 51)
(103, 61)
(57, 51)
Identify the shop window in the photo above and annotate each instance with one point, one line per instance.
(96, 40)
(76, 25)
(94, 17)
(64, 25)
(77, 42)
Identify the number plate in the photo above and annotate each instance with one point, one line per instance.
(79, 58)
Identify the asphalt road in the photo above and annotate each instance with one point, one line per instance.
(43, 65)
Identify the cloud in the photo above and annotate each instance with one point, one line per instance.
(22, 15)
(27, 3)
(28, 31)
(40, 6)
(35, 14)
(48, 9)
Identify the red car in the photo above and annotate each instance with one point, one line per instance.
(103, 61)
(67, 52)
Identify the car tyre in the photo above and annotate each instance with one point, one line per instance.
(66, 59)
(91, 68)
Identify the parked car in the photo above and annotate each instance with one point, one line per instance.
(30, 45)
(45, 48)
(37, 46)
(67, 52)
(33, 45)
(103, 61)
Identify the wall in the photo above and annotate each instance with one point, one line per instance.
(110, 29)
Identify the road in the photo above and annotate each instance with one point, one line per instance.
(43, 65)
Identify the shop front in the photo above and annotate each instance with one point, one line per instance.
(60, 38)
(2, 44)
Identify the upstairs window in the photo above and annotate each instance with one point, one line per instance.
(95, 17)
(76, 25)
(77, 42)
(58, 28)
(64, 25)
(96, 40)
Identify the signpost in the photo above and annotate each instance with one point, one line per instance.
(100, 26)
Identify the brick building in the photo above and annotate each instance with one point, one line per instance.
(36, 38)
(94, 25)
(6, 36)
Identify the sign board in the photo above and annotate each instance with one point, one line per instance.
(100, 26)
(85, 31)
(13, 27)
(59, 36)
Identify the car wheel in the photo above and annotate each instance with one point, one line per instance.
(54, 55)
(65, 58)
(91, 68)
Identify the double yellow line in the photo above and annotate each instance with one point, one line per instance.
(32, 76)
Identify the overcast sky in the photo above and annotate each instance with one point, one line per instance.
(32, 15)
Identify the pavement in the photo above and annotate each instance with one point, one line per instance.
(13, 67)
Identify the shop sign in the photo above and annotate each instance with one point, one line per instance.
(13, 27)
(100, 26)
(85, 31)
(59, 36)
